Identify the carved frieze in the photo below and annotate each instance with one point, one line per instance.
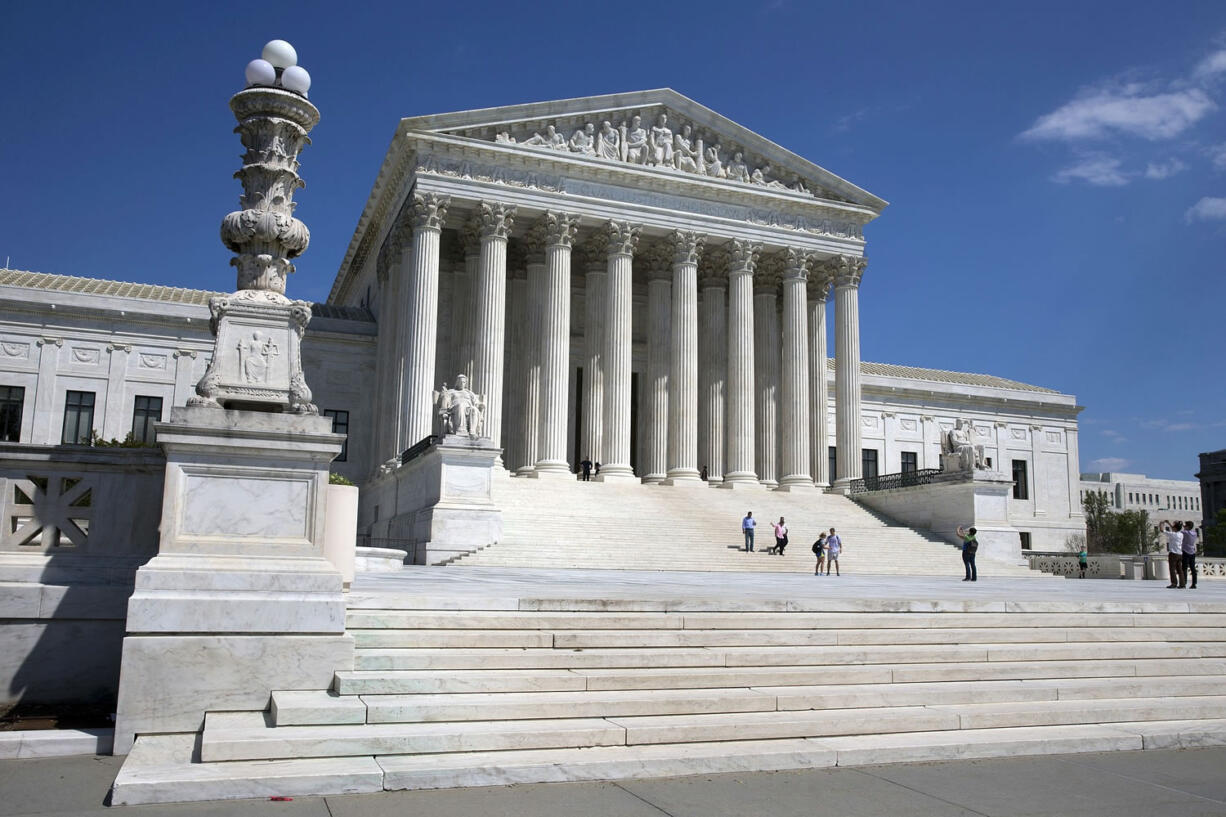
(16, 350)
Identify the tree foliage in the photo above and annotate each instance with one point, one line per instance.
(1110, 532)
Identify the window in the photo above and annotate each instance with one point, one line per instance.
(12, 399)
(868, 463)
(340, 425)
(146, 412)
(1020, 482)
(910, 462)
(78, 418)
(1130, 497)
(833, 455)
(1025, 539)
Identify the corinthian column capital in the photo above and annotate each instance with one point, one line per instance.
(769, 273)
(560, 228)
(428, 210)
(495, 220)
(623, 237)
(742, 255)
(687, 247)
(848, 270)
(796, 263)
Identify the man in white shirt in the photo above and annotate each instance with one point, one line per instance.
(1189, 555)
(747, 527)
(1174, 552)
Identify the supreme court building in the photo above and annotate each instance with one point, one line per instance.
(631, 278)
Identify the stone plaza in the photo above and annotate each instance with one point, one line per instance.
(630, 281)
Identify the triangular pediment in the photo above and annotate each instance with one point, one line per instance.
(658, 129)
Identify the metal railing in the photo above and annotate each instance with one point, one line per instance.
(886, 482)
(418, 448)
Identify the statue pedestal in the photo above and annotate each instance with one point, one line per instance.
(240, 600)
(438, 505)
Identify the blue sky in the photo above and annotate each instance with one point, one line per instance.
(1056, 170)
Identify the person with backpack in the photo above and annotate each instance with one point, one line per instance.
(969, 547)
(819, 550)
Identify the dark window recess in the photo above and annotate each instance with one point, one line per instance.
(1021, 484)
(78, 418)
(833, 454)
(868, 463)
(1025, 539)
(145, 412)
(340, 425)
(910, 462)
(12, 401)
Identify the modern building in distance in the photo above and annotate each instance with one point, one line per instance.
(1166, 500)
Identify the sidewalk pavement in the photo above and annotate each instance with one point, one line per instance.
(1186, 783)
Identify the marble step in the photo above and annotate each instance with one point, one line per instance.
(1027, 670)
(164, 769)
(315, 708)
(1103, 710)
(670, 760)
(408, 658)
(432, 620)
(230, 736)
(385, 682)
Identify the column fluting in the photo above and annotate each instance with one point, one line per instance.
(489, 335)
(560, 230)
(658, 260)
(595, 291)
(419, 313)
(819, 390)
(712, 367)
(794, 384)
(743, 256)
(767, 358)
(517, 341)
(531, 385)
(615, 460)
(847, 420)
(683, 361)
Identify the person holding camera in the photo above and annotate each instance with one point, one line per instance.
(970, 546)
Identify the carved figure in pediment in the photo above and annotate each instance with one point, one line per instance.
(738, 171)
(584, 140)
(685, 157)
(504, 138)
(461, 409)
(661, 142)
(714, 166)
(608, 142)
(636, 142)
(798, 185)
(551, 139)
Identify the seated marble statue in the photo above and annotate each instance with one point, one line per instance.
(958, 441)
(584, 140)
(738, 171)
(461, 409)
(685, 157)
(636, 142)
(714, 166)
(551, 139)
(608, 142)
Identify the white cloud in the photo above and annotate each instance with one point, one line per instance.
(1110, 464)
(1100, 171)
(1164, 170)
(1211, 65)
(1207, 209)
(1217, 155)
(1124, 110)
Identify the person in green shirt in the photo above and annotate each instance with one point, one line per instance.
(969, 547)
(1081, 561)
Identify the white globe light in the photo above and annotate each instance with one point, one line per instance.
(261, 72)
(296, 78)
(280, 53)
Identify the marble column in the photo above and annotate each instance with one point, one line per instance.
(595, 291)
(517, 341)
(847, 419)
(767, 354)
(743, 257)
(683, 362)
(658, 260)
(794, 384)
(490, 312)
(819, 391)
(622, 239)
(419, 315)
(385, 434)
(463, 303)
(560, 229)
(1036, 483)
(531, 386)
(712, 369)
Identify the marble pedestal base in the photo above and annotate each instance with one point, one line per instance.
(797, 487)
(741, 485)
(684, 482)
(240, 600)
(438, 505)
(616, 475)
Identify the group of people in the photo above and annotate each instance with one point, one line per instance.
(1180, 553)
(827, 547)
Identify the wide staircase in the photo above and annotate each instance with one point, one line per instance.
(551, 689)
(630, 526)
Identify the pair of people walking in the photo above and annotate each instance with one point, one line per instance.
(827, 550)
(749, 525)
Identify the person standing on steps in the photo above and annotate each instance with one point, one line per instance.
(586, 468)
(1174, 554)
(747, 526)
(834, 546)
(1189, 554)
(781, 537)
(970, 546)
(819, 550)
